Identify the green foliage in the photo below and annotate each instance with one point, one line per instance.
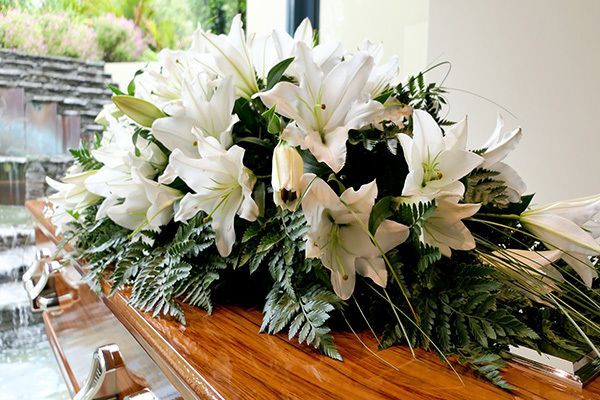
(278, 244)
(383, 209)
(487, 365)
(274, 123)
(482, 187)
(183, 267)
(215, 15)
(47, 34)
(305, 312)
(119, 38)
(126, 35)
(83, 157)
(423, 96)
(414, 215)
(457, 307)
(459, 304)
(295, 301)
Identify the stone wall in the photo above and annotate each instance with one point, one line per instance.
(77, 87)
(47, 106)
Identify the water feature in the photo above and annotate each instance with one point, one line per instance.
(28, 369)
(12, 179)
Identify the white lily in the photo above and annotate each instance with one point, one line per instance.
(435, 163)
(233, 57)
(593, 227)
(325, 106)
(286, 176)
(222, 186)
(117, 148)
(561, 225)
(109, 112)
(71, 192)
(71, 197)
(161, 198)
(338, 233)
(384, 75)
(141, 204)
(498, 146)
(268, 50)
(114, 181)
(107, 178)
(126, 203)
(445, 229)
(207, 112)
(163, 86)
(130, 211)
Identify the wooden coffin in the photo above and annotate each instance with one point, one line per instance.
(222, 356)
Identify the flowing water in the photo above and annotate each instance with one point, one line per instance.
(28, 370)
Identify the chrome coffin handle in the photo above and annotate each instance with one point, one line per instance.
(36, 270)
(101, 382)
(145, 394)
(43, 253)
(53, 302)
(36, 280)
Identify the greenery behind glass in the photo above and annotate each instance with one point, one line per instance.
(167, 23)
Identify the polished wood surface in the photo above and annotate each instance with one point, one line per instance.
(223, 356)
(78, 328)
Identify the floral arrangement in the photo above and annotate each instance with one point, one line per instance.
(319, 185)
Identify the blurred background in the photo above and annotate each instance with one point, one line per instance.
(536, 62)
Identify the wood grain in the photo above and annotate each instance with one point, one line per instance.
(59, 354)
(224, 356)
(81, 326)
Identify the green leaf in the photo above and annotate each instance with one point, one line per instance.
(131, 86)
(273, 121)
(276, 73)
(251, 232)
(115, 90)
(256, 141)
(311, 165)
(519, 208)
(134, 139)
(382, 210)
(83, 157)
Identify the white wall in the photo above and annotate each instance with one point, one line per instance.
(541, 60)
(400, 24)
(121, 73)
(262, 16)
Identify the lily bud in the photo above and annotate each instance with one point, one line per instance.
(288, 168)
(141, 111)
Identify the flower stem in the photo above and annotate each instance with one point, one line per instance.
(500, 216)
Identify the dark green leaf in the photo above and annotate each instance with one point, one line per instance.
(382, 210)
(115, 90)
(276, 73)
